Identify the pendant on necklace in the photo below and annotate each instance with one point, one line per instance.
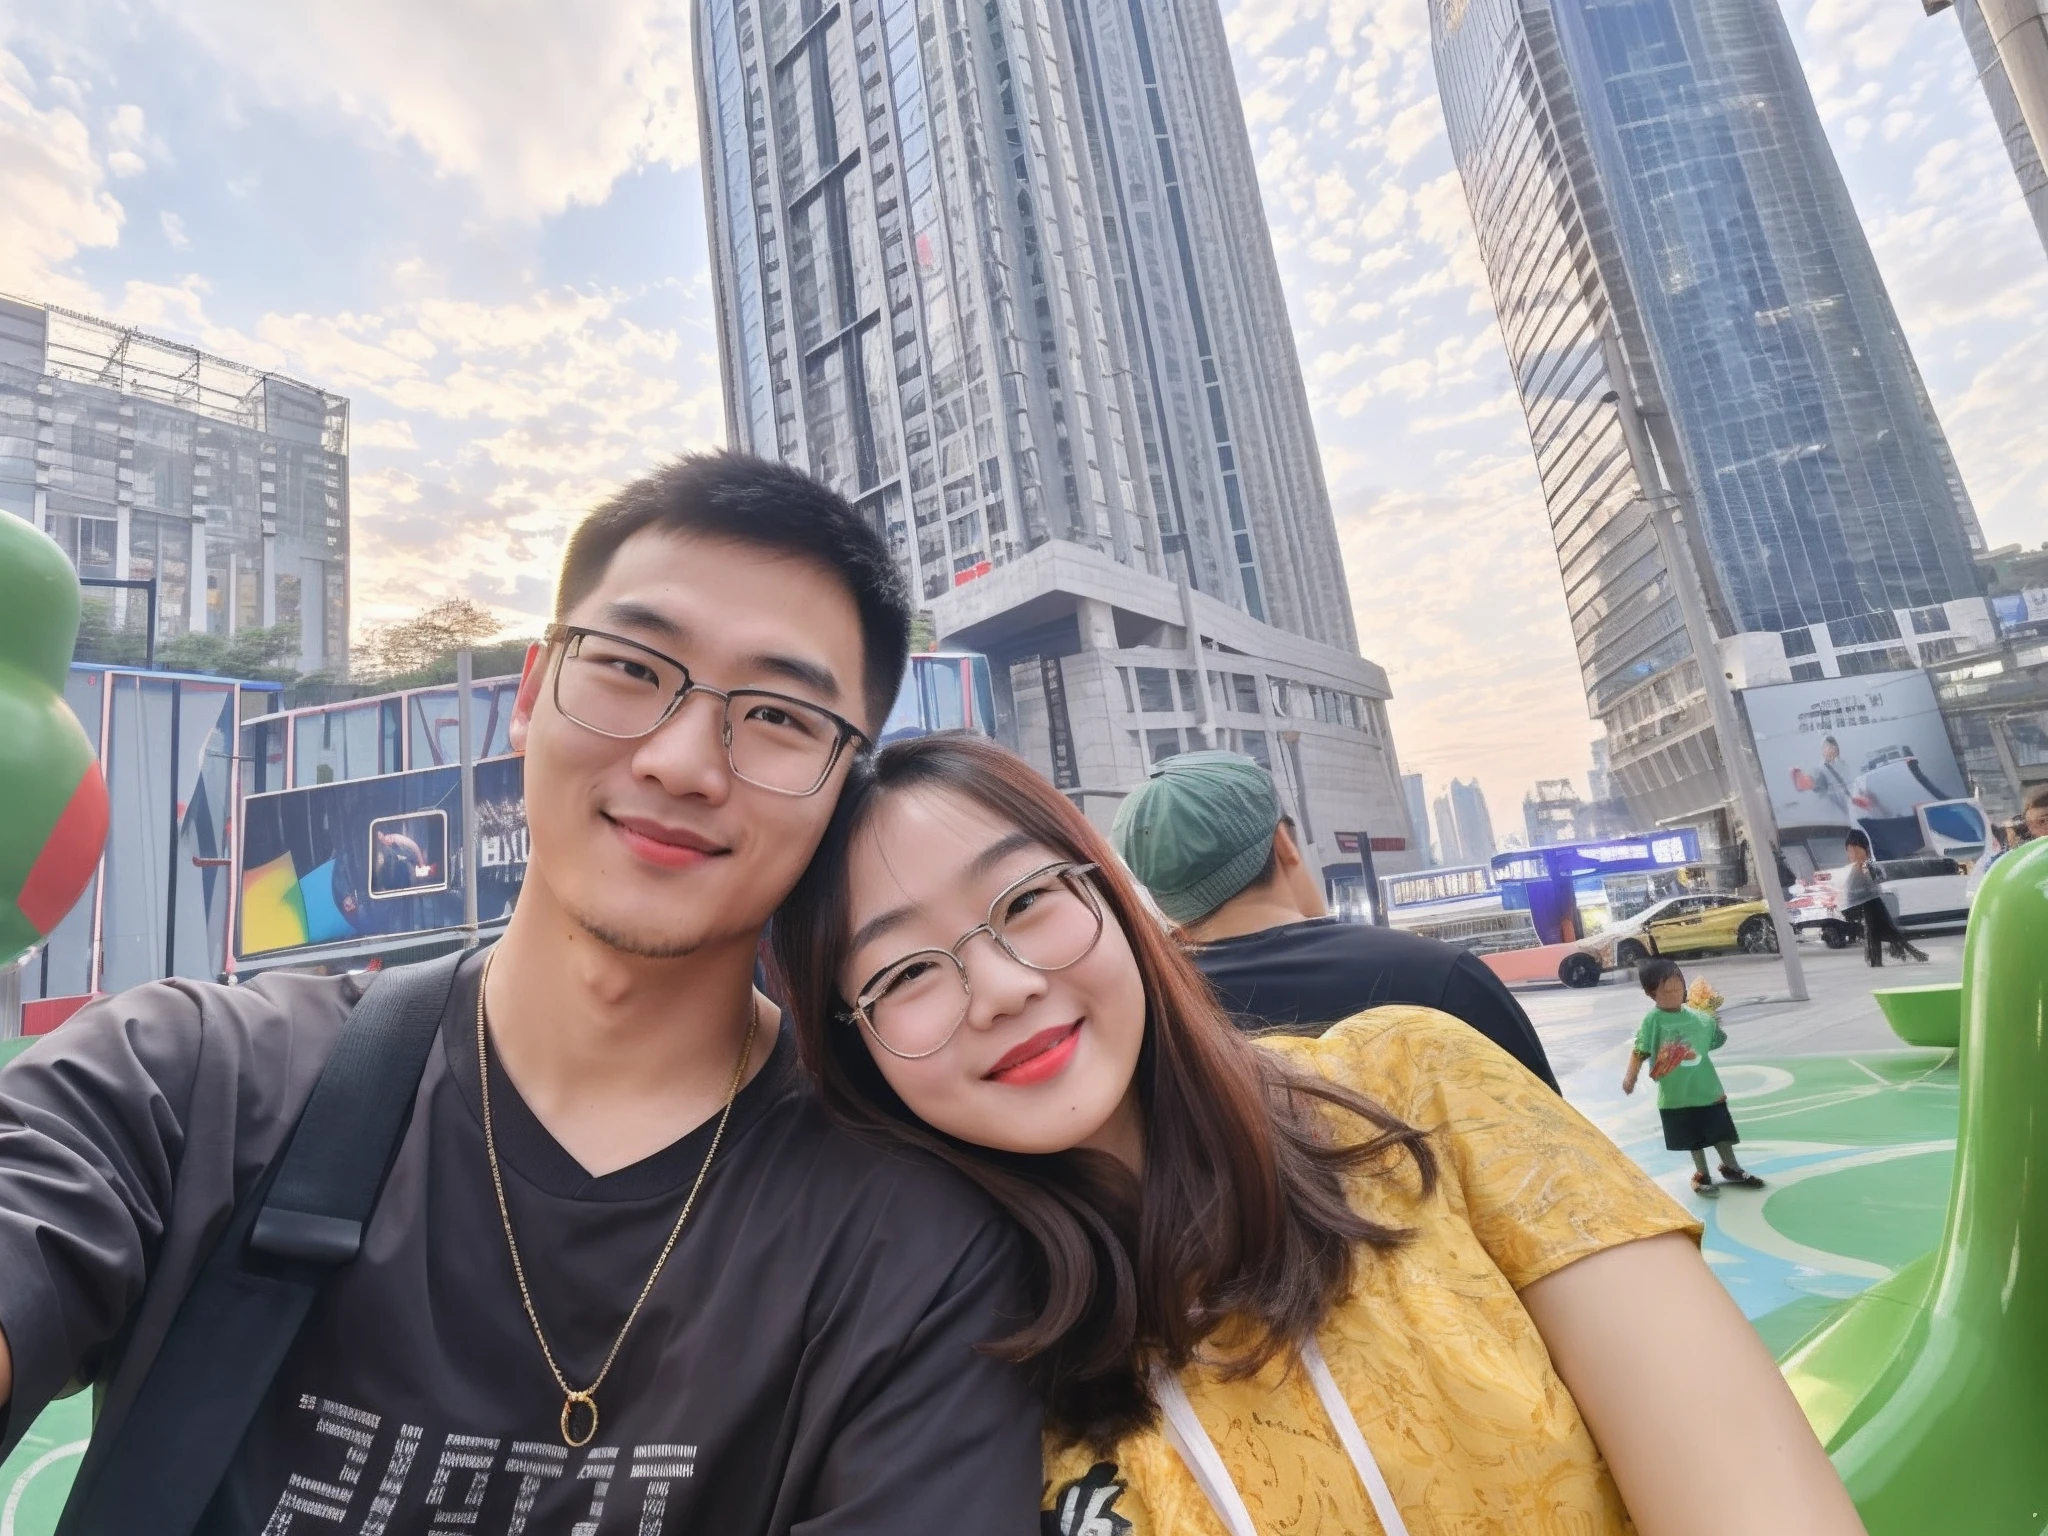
(571, 1402)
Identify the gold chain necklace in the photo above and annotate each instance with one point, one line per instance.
(574, 1398)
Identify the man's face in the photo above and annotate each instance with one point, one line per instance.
(1829, 751)
(2037, 821)
(654, 846)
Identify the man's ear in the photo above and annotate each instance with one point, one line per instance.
(1286, 852)
(530, 676)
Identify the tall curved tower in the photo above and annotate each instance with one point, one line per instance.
(1658, 167)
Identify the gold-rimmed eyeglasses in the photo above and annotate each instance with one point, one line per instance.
(625, 690)
(1047, 921)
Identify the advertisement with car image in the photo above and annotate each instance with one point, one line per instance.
(1869, 754)
(1862, 752)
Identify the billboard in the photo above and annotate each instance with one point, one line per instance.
(1855, 751)
(377, 858)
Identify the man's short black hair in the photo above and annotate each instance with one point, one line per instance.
(1654, 973)
(754, 501)
(1857, 838)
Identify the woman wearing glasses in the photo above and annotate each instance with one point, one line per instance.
(1377, 1281)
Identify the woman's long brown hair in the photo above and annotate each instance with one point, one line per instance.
(1240, 1212)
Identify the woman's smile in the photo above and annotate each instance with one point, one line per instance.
(1040, 1059)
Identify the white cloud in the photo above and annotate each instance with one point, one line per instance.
(174, 230)
(1414, 128)
(53, 197)
(480, 431)
(130, 144)
(538, 103)
(1864, 36)
(381, 432)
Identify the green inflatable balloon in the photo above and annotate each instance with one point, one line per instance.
(53, 802)
(1932, 1387)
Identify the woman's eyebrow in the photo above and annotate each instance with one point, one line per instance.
(996, 852)
(875, 927)
(978, 866)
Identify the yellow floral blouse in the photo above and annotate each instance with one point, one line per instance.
(1442, 1367)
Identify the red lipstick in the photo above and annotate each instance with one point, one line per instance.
(1040, 1059)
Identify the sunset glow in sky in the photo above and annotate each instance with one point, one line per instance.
(481, 220)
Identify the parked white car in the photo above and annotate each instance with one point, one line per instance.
(1923, 893)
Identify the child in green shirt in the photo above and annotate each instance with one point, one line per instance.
(1677, 1041)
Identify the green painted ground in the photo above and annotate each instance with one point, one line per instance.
(1884, 1212)
(1858, 1152)
(36, 1478)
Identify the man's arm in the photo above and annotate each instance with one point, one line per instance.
(91, 1135)
(939, 1436)
(1483, 1000)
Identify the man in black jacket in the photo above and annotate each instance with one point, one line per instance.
(1206, 836)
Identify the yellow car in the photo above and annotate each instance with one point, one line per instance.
(1691, 925)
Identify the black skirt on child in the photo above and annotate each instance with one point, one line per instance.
(1698, 1127)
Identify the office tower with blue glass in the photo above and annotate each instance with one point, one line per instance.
(1656, 168)
(1000, 273)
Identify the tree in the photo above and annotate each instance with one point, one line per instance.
(101, 640)
(256, 655)
(425, 641)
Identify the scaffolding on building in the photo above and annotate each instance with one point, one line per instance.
(87, 350)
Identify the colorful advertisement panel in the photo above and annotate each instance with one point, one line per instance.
(377, 858)
(1855, 751)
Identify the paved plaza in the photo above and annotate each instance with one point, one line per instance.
(1591, 1029)
(1854, 1131)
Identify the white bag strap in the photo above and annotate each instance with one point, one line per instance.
(1204, 1462)
(1198, 1453)
(1353, 1437)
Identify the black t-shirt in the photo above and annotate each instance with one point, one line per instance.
(1302, 977)
(806, 1362)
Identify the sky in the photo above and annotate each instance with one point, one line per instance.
(481, 220)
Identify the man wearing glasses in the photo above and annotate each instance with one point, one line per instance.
(622, 1275)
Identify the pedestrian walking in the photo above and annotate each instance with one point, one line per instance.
(1863, 899)
(1678, 1042)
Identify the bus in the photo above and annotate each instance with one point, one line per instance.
(1460, 904)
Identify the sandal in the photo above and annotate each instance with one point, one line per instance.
(1703, 1185)
(1741, 1178)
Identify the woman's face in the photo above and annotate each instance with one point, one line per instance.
(1043, 1060)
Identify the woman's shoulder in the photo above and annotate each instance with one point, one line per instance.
(1400, 1055)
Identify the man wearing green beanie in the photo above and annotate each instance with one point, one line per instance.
(1206, 835)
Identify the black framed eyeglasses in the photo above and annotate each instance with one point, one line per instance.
(1047, 921)
(625, 690)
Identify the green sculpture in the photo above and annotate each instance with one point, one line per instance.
(53, 802)
(1931, 1389)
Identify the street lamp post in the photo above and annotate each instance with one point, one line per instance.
(1752, 806)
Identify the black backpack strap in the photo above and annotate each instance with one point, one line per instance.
(166, 1457)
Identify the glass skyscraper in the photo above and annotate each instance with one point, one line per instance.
(1659, 168)
(999, 272)
(151, 461)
